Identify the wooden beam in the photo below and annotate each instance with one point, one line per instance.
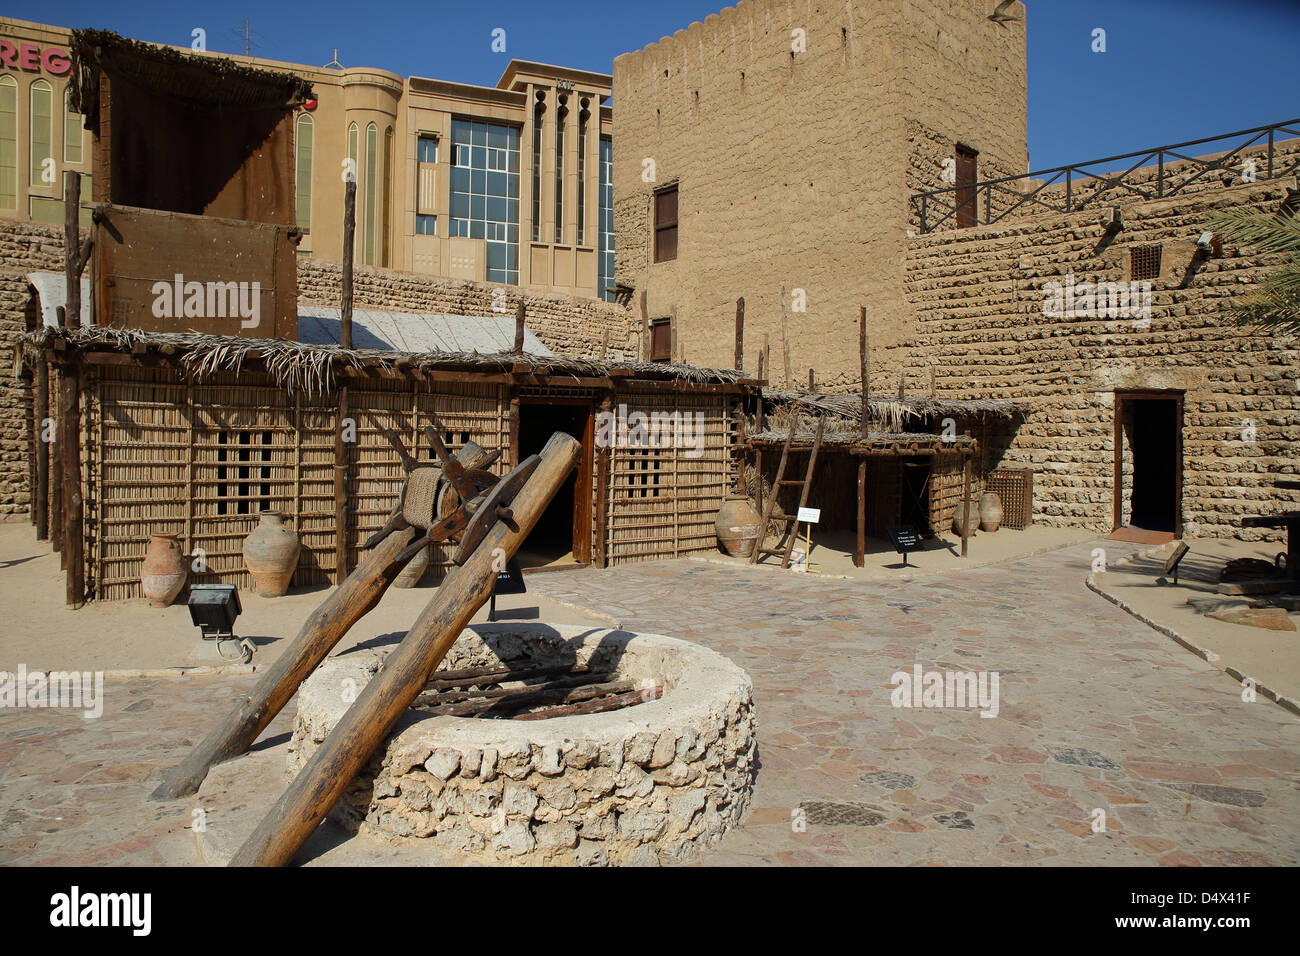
(69, 435)
(859, 556)
(349, 230)
(740, 334)
(330, 769)
(344, 606)
(41, 448)
(965, 502)
(519, 328)
(601, 557)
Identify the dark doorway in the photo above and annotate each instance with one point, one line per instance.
(563, 533)
(915, 502)
(1154, 430)
(967, 165)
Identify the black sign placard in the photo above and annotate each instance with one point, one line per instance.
(511, 580)
(906, 538)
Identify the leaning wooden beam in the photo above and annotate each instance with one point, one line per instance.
(345, 606)
(322, 780)
(740, 334)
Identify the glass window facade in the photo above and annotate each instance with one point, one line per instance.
(72, 138)
(302, 173)
(485, 193)
(8, 143)
(426, 150)
(426, 225)
(42, 130)
(605, 260)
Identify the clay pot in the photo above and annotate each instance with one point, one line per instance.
(737, 526)
(990, 511)
(974, 518)
(271, 554)
(163, 573)
(410, 575)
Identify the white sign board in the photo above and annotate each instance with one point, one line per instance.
(810, 515)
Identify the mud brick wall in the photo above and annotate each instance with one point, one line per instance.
(795, 168)
(566, 324)
(24, 247)
(977, 296)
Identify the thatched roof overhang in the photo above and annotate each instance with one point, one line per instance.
(894, 413)
(199, 80)
(321, 368)
(887, 444)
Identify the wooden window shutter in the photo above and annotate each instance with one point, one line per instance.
(661, 340)
(666, 224)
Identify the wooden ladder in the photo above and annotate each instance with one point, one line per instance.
(792, 522)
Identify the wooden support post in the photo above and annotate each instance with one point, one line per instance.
(965, 502)
(69, 435)
(645, 328)
(785, 343)
(859, 556)
(75, 253)
(902, 372)
(812, 381)
(41, 416)
(601, 557)
(346, 605)
(342, 453)
(56, 486)
(673, 352)
(760, 365)
(513, 435)
(330, 769)
(349, 230)
(519, 328)
(767, 355)
(740, 334)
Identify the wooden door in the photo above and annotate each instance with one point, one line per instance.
(967, 165)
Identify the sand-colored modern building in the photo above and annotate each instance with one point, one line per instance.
(507, 184)
(776, 144)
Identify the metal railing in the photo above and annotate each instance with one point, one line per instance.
(948, 202)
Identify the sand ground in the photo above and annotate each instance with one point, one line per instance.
(832, 552)
(42, 633)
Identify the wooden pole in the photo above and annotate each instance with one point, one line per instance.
(346, 605)
(785, 343)
(519, 328)
(349, 228)
(740, 334)
(330, 769)
(72, 249)
(41, 493)
(859, 556)
(602, 491)
(69, 434)
(812, 381)
(965, 502)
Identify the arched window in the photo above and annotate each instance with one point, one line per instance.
(303, 135)
(42, 133)
(371, 183)
(8, 142)
(388, 197)
(72, 130)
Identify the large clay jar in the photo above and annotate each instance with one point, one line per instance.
(990, 511)
(163, 573)
(974, 518)
(737, 526)
(410, 575)
(271, 554)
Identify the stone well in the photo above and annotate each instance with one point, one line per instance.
(651, 783)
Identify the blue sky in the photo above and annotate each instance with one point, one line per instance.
(1173, 70)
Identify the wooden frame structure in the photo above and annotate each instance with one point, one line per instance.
(174, 438)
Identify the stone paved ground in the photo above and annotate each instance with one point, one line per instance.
(1096, 711)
